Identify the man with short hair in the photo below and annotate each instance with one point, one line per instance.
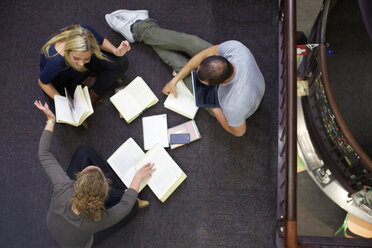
(230, 65)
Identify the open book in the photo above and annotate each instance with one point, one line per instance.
(184, 103)
(205, 95)
(134, 99)
(187, 127)
(129, 158)
(73, 111)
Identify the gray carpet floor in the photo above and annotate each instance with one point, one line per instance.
(229, 197)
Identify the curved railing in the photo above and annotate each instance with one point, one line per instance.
(367, 162)
(286, 235)
(330, 135)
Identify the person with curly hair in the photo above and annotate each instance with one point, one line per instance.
(84, 208)
(73, 55)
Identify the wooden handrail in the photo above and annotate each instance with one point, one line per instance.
(287, 127)
(291, 123)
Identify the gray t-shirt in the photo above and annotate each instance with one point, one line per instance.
(67, 228)
(240, 97)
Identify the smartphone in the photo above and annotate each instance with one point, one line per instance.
(179, 138)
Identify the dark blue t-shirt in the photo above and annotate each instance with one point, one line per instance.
(54, 65)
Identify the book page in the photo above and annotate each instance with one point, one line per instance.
(155, 130)
(184, 103)
(164, 181)
(124, 159)
(126, 105)
(88, 101)
(116, 91)
(167, 171)
(180, 179)
(63, 111)
(80, 105)
(144, 96)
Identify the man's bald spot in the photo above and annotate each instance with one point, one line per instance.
(215, 70)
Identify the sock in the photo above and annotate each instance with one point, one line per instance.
(131, 26)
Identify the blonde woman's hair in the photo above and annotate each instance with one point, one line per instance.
(91, 190)
(76, 38)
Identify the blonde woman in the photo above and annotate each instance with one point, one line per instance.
(73, 54)
(86, 205)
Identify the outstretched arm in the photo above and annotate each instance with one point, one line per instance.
(192, 64)
(51, 166)
(51, 119)
(119, 51)
(221, 118)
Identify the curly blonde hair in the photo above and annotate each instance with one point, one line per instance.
(91, 190)
(76, 38)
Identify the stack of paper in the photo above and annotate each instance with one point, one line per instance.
(187, 127)
(155, 130)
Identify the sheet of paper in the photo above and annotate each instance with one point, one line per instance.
(184, 103)
(63, 111)
(124, 159)
(155, 130)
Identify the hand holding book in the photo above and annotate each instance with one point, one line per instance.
(170, 88)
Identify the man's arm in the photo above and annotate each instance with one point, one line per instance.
(221, 118)
(192, 64)
(48, 89)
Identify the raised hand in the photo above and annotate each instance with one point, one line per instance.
(122, 49)
(45, 109)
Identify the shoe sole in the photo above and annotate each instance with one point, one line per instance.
(142, 11)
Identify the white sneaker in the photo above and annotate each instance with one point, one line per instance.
(127, 15)
(142, 11)
(121, 26)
